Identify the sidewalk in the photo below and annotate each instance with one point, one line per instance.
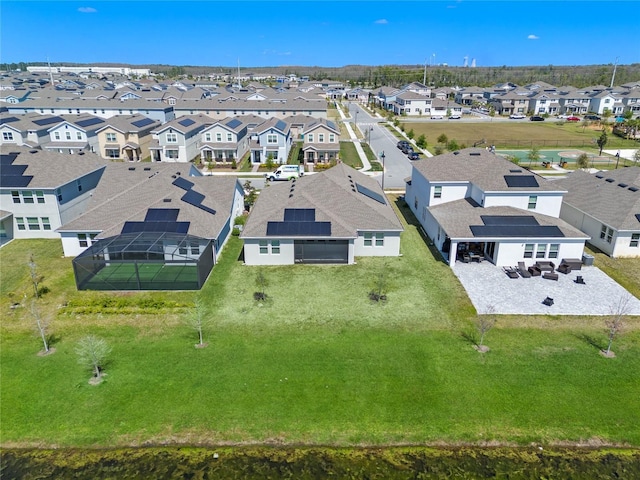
(366, 165)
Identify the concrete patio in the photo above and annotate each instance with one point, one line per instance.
(488, 285)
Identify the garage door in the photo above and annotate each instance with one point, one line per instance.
(321, 251)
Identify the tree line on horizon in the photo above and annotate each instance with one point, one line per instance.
(397, 75)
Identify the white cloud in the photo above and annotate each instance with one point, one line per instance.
(533, 37)
(87, 10)
(382, 21)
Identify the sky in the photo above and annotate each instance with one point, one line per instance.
(321, 32)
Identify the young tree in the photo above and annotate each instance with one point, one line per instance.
(484, 323)
(269, 162)
(198, 319)
(93, 353)
(614, 322)
(452, 145)
(411, 134)
(262, 283)
(36, 278)
(533, 155)
(42, 324)
(602, 141)
(378, 293)
(421, 141)
(583, 161)
(250, 194)
(443, 139)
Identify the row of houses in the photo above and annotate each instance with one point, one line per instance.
(136, 137)
(172, 221)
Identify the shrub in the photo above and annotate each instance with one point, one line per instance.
(452, 145)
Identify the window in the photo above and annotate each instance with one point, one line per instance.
(34, 223)
(16, 196)
(321, 137)
(173, 154)
(275, 247)
(635, 239)
(39, 196)
(272, 138)
(533, 201)
(79, 135)
(606, 233)
(195, 248)
(82, 240)
(20, 223)
(218, 137)
(46, 224)
(27, 196)
(310, 138)
(437, 191)
(368, 239)
(112, 153)
(528, 250)
(553, 250)
(371, 239)
(207, 137)
(79, 185)
(264, 247)
(379, 239)
(541, 250)
(56, 135)
(229, 137)
(67, 135)
(8, 136)
(111, 137)
(172, 138)
(332, 138)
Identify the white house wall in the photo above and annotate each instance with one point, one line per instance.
(510, 252)
(589, 226)
(252, 255)
(390, 247)
(48, 209)
(623, 248)
(546, 204)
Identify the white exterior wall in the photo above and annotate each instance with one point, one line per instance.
(391, 247)
(546, 204)
(622, 247)
(588, 225)
(252, 255)
(47, 209)
(17, 136)
(450, 192)
(71, 245)
(510, 252)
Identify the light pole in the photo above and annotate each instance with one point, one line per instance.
(382, 157)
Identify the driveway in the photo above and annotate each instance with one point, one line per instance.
(487, 285)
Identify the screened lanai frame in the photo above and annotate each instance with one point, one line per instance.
(145, 261)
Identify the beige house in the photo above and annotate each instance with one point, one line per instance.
(126, 137)
(321, 142)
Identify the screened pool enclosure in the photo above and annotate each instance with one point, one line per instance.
(145, 261)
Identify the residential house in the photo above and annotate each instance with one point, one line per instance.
(126, 137)
(573, 102)
(511, 102)
(606, 100)
(330, 217)
(74, 134)
(321, 142)
(541, 103)
(470, 96)
(605, 206)
(271, 139)
(227, 140)
(30, 130)
(179, 139)
(475, 201)
(43, 189)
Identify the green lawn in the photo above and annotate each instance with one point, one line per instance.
(349, 155)
(317, 363)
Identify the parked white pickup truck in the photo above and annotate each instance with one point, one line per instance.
(285, 172)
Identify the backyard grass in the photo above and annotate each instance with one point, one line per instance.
(349, 155)
(516, 135)
(317, 363)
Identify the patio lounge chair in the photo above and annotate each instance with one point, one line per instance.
(574, 263)
(550, 276)
(534, 271)
(546, 266)
(511, 272)
(564, 268)
(524, 273)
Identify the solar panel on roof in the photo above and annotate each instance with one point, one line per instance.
(48, 120)
(170, 227)
(521, 181)
(8, 120)
(13, 175)
(162, 215)
(299, 214)
(524, 231)
(297, 229)
(509, 220)
(331, 125)
(182, 183)
(194, 198)
(638, 216)
(186, 122)
(142, 122)
(234, 123)
(280, 125)
(89, 121)
(370, 193)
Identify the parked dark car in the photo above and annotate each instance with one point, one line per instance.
(406, 149)
(402, 143)
(537, 118)
(595, 118)
(414, 156)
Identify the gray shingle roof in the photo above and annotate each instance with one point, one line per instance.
(125, 195)
(334, 199)
(606, 201)
(480, 167)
